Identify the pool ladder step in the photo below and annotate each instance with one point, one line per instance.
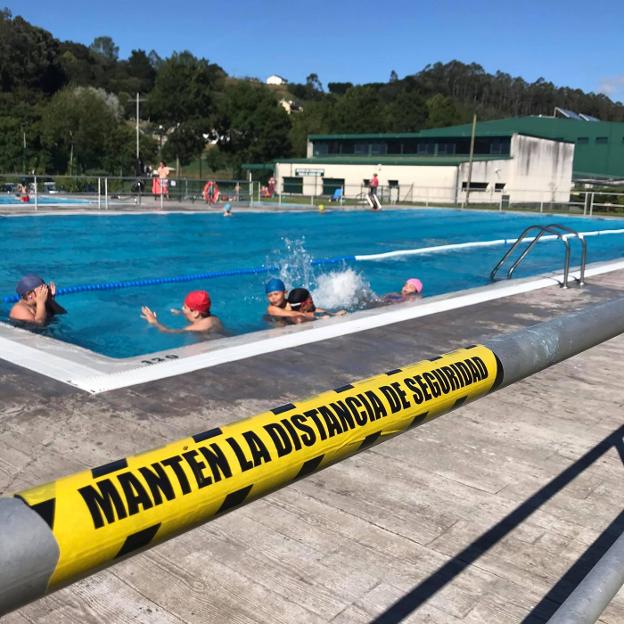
(554, 230)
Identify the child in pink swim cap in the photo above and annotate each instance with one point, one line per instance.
(413, 286)
(412, 289)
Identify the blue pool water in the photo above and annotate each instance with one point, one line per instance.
(85, 249)
(12, 200)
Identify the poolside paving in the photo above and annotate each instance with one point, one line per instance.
(490, 514)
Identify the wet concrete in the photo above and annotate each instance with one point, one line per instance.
(489, 514)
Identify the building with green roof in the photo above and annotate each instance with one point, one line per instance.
(527, 159)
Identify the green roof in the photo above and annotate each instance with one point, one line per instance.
(392, 160)
(600, 151)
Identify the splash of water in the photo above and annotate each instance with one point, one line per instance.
(345, 289)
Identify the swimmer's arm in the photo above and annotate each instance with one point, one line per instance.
(53, 305)
(284, 312)
(152, 319)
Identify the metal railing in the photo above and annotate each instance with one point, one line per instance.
(562, 233)
(129, 191)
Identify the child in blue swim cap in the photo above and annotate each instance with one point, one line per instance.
(279, 309)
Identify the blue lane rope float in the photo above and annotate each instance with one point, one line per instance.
(318, 261)
(70, 290)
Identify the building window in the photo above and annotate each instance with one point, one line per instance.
(321, 149)
(331, 184)
(425, 148)
(499, 187)
(582, 140)
(475, 186)
(378, 149)
(393, 183)
(360, 149)
(293, 185)
(602, 140)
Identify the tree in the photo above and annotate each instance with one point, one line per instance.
(186, 142)
(393, 76)
(442, 111)
(252, 126)
(78, 127)
(339, 88)
(106, 48)
(184, 89)
(28, 57)
(313, 82)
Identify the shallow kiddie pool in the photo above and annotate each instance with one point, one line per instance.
(78, 250)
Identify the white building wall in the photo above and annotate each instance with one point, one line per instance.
(539, 170)
(416, 183)
(542, 171)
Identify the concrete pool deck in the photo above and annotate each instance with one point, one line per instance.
(492, 513)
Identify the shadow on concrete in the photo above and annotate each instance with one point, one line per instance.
(547, 606)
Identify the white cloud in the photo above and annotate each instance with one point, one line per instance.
(612, 86)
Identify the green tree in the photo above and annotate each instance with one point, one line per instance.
(28, 57)
(186, 142)
(442, 111)
(79, 128)
(106, 48)
(184, 89)
(252, 126)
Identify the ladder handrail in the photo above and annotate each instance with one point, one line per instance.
(543, 230)
(581, 238)
(512, 249)
(555, 229)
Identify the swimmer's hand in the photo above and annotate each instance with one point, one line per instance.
(149, 316)
(175, 311)
(340, 313)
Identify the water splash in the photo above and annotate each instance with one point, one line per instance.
(345, 289)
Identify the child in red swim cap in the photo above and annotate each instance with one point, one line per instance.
(196, 309)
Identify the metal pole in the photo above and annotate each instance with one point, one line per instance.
(106, 193)
(137, 126)
(472, 142)
(591, 205)
(36, 193)
(592, 595)
(99, 193)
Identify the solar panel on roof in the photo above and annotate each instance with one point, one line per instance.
(568, 113)
(588, 117)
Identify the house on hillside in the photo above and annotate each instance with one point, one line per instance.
(290, 106)
(274, 79)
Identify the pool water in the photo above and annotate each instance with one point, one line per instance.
(13, 200)
(83, 249)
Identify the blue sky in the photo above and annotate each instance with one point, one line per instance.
(573, 43)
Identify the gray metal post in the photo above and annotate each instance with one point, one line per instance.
(36, 194)
(590, 598)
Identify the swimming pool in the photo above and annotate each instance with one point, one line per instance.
(12, 200)
(87, 249)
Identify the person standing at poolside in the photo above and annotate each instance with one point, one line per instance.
(37, 303)
(163, 178)
(196, 310)
(373, 184)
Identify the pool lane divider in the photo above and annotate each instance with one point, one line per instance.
(56, 533)
(70, 290)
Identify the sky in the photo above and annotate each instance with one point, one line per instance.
(572, 43)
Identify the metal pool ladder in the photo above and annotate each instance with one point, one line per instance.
(563, 233)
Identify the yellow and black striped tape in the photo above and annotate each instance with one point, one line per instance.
(100, 515)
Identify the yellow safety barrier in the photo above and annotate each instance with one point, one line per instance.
(100, 515)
